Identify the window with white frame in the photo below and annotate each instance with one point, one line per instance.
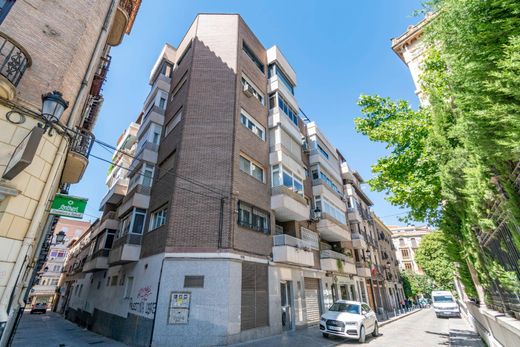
(328, 207)
(249, 87)
(158, 218)
(252, 125)
(129, 286)
(173, 122)
(251, 168)
(291, 144)
(283, 176)
(147, 175)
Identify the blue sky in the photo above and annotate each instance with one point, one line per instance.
(339, 50)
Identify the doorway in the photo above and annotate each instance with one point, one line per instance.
(287, 304)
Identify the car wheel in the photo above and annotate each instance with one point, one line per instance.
(375, 333)
(362, 335)
(326, 335)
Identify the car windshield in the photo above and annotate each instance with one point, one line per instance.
(443, 298)
(343, 307)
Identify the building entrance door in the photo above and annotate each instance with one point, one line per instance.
(287, 303)
(344, 293)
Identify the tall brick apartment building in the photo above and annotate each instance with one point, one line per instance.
(46, 46)
(247, 227)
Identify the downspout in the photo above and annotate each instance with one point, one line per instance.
(56, 168)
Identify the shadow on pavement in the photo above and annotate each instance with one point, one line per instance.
(464, 338)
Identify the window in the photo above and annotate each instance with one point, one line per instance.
(249, 52)
(179, 85)
(252, 125)
(113, 281)
(254, 303)
(56, 268)
(147, 175)
(287, 178)
(139, 217)
(408, 266)
(166, 69)
(251, 168)
(54, 282)
(249, 87)
(158, 218)
(162, 103)
(405, 253)
(173, 122)
(5, 6)
(284, 106)
(328, 207)
(275, 70)
(128, 288)
(252, 217)
(290, 144)
(166, 166)
(156, 138)
(61, 254)
(181, 58)
(54, 254)
(322, 151)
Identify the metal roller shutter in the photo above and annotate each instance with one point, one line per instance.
(255, 306)
(312, 301)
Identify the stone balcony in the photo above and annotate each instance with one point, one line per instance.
(337, 262)
(332, 230)
(97, 261)
(125, 249)
(358, 241)
(288, 205)
(363, 269)
(291, 250)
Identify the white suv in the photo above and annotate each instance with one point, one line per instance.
(444, 304)
(350, 319)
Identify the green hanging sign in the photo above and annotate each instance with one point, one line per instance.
(68, 206)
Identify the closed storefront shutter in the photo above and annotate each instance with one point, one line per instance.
(254, 310)
(312, 301)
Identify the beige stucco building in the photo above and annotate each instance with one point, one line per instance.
(406, 241)
(46, 46)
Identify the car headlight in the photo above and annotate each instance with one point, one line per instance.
(322, 320)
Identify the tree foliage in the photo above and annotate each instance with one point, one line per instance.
(433, 258)
(415, 284)
(446, 157)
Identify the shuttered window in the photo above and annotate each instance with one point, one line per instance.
(255, 308)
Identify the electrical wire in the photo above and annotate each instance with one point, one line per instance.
(191, 180)
(140, 174)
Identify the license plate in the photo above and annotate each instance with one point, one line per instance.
(335, 328)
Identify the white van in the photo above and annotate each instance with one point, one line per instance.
(445, 304)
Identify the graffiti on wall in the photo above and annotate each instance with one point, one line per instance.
(142, 305)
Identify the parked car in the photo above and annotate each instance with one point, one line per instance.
(350, 319)
(445, 304)
(39, 307)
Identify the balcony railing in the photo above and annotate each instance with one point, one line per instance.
(362, 264)
(329, 254)
(82, 143)
(288, 191)
(14, 59)
(288, 240)
(99, 253)
(128, 239)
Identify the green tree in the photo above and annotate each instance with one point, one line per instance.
(432, 256)
(415, 284)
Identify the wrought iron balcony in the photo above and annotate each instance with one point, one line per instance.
(77, 157)
(14, 60)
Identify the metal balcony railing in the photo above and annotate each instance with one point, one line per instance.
(362, 264)
(81, 143)
(329, 254)
(128, 239)
(288, 240)
(14, 59)
(127, 6)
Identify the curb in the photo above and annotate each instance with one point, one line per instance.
(391, 320)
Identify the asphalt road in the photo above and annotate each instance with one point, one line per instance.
(51, 330)
(420, 329)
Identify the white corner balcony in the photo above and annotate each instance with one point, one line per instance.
(289, 249)
(138, 197)
(321, 188)
(337, 262)
(363, 269)
(354, 215)
(116, 193)
(97, 261)
(316, 157)
(332, 230)
(358, 241)
(288, 205)
(147, 153)
(125, 249)
(274, 84)
(155, 115)
(278, 117)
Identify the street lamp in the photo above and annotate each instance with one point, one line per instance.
(53, 106)
(317, 214)
(60, 237)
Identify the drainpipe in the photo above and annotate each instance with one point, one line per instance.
(26, 247)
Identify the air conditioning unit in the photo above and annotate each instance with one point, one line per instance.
(248, 90)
